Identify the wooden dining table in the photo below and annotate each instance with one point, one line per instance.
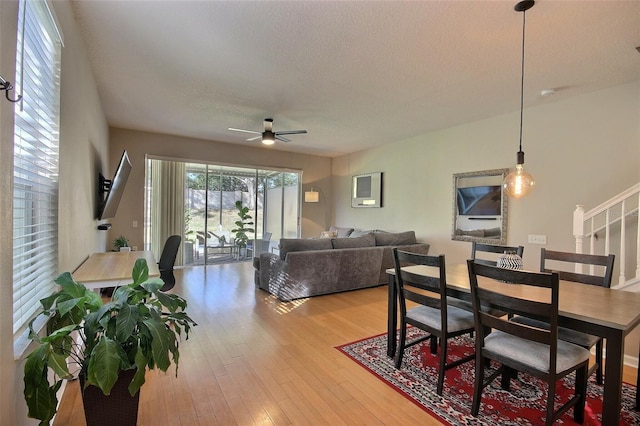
(599, 311)
(112, 268)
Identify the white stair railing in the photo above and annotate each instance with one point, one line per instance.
(610, 218)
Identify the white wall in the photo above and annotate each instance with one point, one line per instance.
(83, 152)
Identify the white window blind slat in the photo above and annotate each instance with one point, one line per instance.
(36, 141)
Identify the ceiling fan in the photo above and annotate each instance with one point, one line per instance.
(268, 135)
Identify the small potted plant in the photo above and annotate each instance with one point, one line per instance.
(121, 244)
(111, 344)
(243, 226)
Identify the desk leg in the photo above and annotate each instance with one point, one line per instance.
(612, 398)
(392, 316)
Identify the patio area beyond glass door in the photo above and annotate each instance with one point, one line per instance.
(198, 202)
(211, 213)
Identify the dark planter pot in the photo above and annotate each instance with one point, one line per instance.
(119, 408)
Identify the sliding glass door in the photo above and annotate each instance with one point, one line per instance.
(209, 211)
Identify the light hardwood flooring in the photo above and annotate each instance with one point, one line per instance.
(253, 360)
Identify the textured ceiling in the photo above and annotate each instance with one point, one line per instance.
(354, 74)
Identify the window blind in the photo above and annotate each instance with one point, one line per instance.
(35, 178)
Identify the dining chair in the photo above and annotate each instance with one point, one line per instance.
(599, 274)
(491, 248)
(532, 350)
(431, 312)
(168, 260)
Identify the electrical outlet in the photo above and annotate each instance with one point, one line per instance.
(538, 239)
(135, 223)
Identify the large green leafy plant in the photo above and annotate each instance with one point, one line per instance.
(243, 226)
(139, 328)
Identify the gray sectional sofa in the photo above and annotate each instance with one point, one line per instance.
(316, 266)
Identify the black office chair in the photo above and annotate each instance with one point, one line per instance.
(432, 313)
(567, 260)
(167, 260)
(491, 248)
(519, 347)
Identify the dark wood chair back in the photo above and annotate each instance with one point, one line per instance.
(418, 288)
(545, 309)
(566, 260)
(429, 311)
(492, 248)
(511, 343)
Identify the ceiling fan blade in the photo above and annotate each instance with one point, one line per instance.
(291, 132)
(268, 124)
(281, 139)
(246, 131)
(255, 138)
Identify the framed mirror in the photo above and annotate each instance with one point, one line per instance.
(480, 207)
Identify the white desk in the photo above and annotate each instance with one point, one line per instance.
(112, 269)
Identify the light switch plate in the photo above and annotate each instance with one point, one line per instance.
(538, 239)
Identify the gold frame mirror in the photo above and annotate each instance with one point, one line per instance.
(480, 207)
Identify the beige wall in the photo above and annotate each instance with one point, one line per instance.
(83, 151)
(315, 171)
(582, 150)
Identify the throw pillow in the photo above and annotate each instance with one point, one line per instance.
(329, 234)
(341, 232)
(360, 232)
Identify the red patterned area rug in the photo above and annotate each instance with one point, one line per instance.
(524, 404)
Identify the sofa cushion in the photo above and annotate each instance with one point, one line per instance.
(395, 239)
(367, 240)
(341, 232)
(303, 244)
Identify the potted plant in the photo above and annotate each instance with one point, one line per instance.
(243, 226)
(121, 242)
(138, 329)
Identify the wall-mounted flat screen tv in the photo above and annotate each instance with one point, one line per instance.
(110, 191)
(479, 201)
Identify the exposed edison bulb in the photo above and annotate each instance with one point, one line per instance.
(518, 183)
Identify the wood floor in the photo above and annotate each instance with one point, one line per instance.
(253, 360)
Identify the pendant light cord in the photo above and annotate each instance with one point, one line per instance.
(524, 13)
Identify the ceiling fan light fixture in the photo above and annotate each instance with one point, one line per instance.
(519, 183)
(268, 138)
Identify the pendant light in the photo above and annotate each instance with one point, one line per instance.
(519, 183)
